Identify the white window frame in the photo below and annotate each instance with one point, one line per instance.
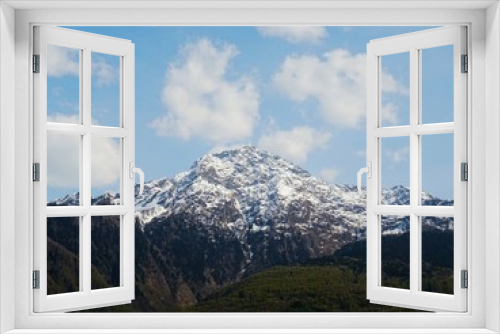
(413, 44)
(85, 43)
(484, 50)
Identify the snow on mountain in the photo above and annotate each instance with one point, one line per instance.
(263, 188)
(248, 191)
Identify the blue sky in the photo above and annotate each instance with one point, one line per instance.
(296, 92)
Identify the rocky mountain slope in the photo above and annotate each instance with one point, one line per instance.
(240, 211)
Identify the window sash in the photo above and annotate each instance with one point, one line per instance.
(86, 297)
(412, 43)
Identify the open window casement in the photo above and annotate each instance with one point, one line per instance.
(417, 212)
(72, 150)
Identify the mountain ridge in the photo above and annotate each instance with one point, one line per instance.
(245, 188)
(241, 211)
(260, 199)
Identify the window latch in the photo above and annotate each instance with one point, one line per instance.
(368, 171)
(134, 170)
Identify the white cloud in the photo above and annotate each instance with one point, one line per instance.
(336, 81)
(390, 113)
(399, 155)
(64, 118)
(105, 73)
(63, 158)
(202, 102)
(295, 34)
(106, 159)
(360, 153)
(63, 61)
(329, 174)
(391, 85)
(346, 29)
(221, 148)
(295, 144)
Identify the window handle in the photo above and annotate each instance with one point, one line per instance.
(368, 171)
(134, 170)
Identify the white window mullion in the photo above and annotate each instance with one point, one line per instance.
(85, 197)
(86, 118)
(127, 235)
(86, 254)
(40, 156)
(80, 130)
(81, 232)
(81, 250)
(393, 131)
(372, 184)
(415, 267)
(433, 129)
(420, 130)
(123, 177)
(460, 156)
(406, 210)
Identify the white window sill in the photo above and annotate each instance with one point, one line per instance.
(251, 331)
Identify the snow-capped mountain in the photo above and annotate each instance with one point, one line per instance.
(249, 190)
(241, 211)
(256, 196)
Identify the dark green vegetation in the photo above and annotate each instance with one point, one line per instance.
(337, 283)
(169, 272)
(329, 288)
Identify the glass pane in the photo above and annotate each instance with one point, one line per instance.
(105, 252)
(395, 170)
(106, 170)
(437, 254)
(63, 169)
(395, 251)
(437, 169)
(437, 84)
(395, 81)
(63, 84)
(105, 91)
(63, 255)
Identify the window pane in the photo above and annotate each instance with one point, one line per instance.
(437, 84)
(437, 169)
(63, 85)
(395, 251)
(63, 255)
(395, 81)
(106, 170)
(105, 252)
(63, 170)
(105, 91)
(395, 170)
(437, 254)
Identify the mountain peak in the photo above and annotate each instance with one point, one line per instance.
(247, 160)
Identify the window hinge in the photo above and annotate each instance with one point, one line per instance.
(465, 279)
(36, 279)
(36, 63)
(464, 172)
(36, 172)
(465, 64)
